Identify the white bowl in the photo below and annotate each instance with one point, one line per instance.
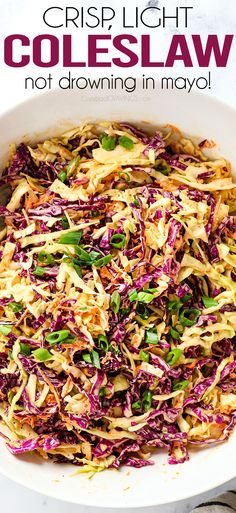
(197, 115)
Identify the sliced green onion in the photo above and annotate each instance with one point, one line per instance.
(57, 336)
(69, 340)
(184, 299)
(5, 329)
(118, 240)
(87, 358)
(91, 258)
(189, 316)
(39, 271)
(142, 311)
(24, 349)
(62, 176)
(174, 334)
(73, 164)
(77, 269)
(143, 356)
(102, 392)
(74, 262)
(124, 175)
(115, 302)
(83, 254)
(181, 385)
(16, 307)
(151, 337)
(96, 359)
(147, 400)
(114, 349)
(124, 311)
(133, 295)
(45, 258)
(209, 302)
(94, 255)
(42, 354)
(108, 142)
(174, 305)
(145, 297)
(136, 405)
(64, 222)
(10, 396)
(126, 142)
(71, 238)
(103, 343)
(136, 203)
(173, 356)
(163, 168)
(92, 358)
(102, 261)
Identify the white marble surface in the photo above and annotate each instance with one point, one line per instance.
(25, 16)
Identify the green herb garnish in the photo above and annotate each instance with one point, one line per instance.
(115, 302)
(147, 400)
(136, 405)
(64, 222)
(143, 356)
(95, 359)
(181, 385)
(39, 271)
(42, 354)
(133, 295)
(72, 166)
(151, 337)
(87, 358)
(16, 307)
(145, 297)
(101, 262)
(118, 240)
(45, 258)
(108, 142)
(103, 343)
(189, 316)
(92, 358)
(72, 238)
(62, 176)
(209, 302)
(5, 329)
(173, 356)
(174, 333)
(174, 305)
(126, 142)
(164, 169)
(25, 348)
(59, 336)
(142, 311)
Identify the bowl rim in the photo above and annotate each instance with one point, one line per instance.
(58, 91)
(92, 502)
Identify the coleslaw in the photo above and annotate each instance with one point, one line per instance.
(117, 297)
